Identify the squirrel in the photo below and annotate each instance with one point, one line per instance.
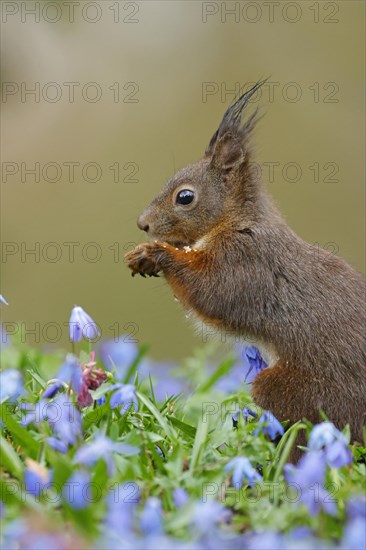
(232, 260)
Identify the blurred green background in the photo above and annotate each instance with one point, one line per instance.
(157, 56)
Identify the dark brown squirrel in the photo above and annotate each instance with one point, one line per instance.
(232, 260)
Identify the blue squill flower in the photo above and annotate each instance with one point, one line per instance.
(76, 490)
(62, 416)
(124, 396)
(11, 385)
(151, 519)
(356, 507)
(2, 299)
(122, 501)
(102, 447)
(338, 454)
(332, 442)
(246, 412)
(52, 389)
(242, 470)
(265, 540)
(180, 497)
(82, 325)
(309, 471)
(254, 363)
(354, 535)
(324, 434)
(119, 354)
(308, 479)
(102, 399)
(35, 412)
(57, 444)
(69, 374)
(209, 513)
(65, 420)
(36, 478)
(269, 425)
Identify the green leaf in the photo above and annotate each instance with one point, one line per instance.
(159, 417)
(94, 416)
(37, 378)
(9, 459)
(185, 428)
(18, 433)
(198, 445)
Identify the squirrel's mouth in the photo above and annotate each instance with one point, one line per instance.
(174, 242)
(179, 244)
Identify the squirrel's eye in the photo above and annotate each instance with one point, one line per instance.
(185, 197)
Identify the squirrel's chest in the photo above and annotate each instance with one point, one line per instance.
(209, 331)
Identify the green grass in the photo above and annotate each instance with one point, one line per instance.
(184, 441)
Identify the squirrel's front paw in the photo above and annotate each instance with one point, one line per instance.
(144, 259)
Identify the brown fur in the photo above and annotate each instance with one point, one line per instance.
(249, 273)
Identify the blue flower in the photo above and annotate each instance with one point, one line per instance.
(242, 469)
(356, 507)
(36, 478)
(62, 416)
(102, 399)
(52, 389)
(354, 534)
(326, 437)
(102, 448)
(2, 299)
(119, 354)
(266, 540)
(254, 363)
(124, 395)
(309, 471)
(269, 425)
(65, 421)
(81, 324)
(246, 412)
(121, 506)
(11, 385)
(324, 434)
(308, 480)
(151, 520)
(180, 497)
(69, 373)
(76, 491)
(338, 454)
(35, 412)
(208, 514)
(57, 444)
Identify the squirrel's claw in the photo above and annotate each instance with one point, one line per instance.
(143, 260)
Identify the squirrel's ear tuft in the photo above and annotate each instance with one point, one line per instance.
(232, 120)
(228, 153)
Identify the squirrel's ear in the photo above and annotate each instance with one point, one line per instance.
(228, 153)
(232, 119)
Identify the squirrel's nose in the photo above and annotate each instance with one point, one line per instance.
(142, 224)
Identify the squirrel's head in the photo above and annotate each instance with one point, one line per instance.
(211, 191)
